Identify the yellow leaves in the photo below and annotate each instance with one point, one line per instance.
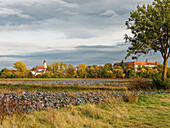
(58, 66)
(155, 71)
(82, 69)
(123, 75)
(74, 72)
(20, 66)
(110, 71)
(143, 70)
(117, 67)
(82, 65)
(54, 66)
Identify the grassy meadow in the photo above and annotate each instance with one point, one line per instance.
(145, 111)
(149, 111)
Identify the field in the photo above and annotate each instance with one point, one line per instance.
(54, 79)
(35, 79)
(149, 111)
(65, 84)
(80, 103)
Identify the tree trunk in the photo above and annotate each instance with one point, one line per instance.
(165, 64)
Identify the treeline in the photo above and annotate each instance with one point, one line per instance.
(64, 70)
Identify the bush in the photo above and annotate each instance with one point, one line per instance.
(38, 76)
(140, 84)
(159, 84)
(30, 75)
(130, 97)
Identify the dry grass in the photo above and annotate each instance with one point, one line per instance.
(140, 84)
(10, 106)
(60, 87)
(52, 79)
(149, 111)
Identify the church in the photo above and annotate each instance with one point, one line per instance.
(39, 69)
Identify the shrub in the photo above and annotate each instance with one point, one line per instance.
(30, 75)
(130, 97)
(144, 84)
(140, 84)
(38, 76)
(159, 84)
(129, 73)
(6, 75)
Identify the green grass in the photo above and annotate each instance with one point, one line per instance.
(60, 87)
(41, 79)
(52, 79)
(149, 112)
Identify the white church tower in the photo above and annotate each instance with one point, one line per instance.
(45, 64)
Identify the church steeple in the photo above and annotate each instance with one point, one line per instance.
(45, 64)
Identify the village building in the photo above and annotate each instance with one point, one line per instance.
(137, 64)
(40, 69)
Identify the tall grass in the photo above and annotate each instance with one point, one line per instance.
(10, 106)
(159, 84)
(19, 105)
(149, 111)
(143, 84)
(140, 84)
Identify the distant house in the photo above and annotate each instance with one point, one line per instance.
(39, 69)
(139, 64)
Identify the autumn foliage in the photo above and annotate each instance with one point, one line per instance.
(64, 70)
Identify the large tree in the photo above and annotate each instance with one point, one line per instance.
(81, 70)
(20, 67)
(150, 26)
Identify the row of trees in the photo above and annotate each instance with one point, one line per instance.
(64, 70)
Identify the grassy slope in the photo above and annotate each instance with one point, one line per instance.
(150, 111)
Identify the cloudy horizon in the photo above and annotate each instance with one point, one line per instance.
(72, 31)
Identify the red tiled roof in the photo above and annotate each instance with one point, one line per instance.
(12, 70)
(38, 71)
(146, 63)
(40, 67)
(139, 63)
(116, 63)
(126, 63)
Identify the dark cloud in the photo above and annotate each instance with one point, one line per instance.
(112, 47)
(81, 54)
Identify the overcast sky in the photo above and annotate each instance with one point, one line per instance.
(73, 31)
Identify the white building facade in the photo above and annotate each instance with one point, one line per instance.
(40, 69)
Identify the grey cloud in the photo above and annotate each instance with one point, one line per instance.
(37, 3)
(86, 20)
(75, 18)
(81, 54)
(111, 13)
(117, 47)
